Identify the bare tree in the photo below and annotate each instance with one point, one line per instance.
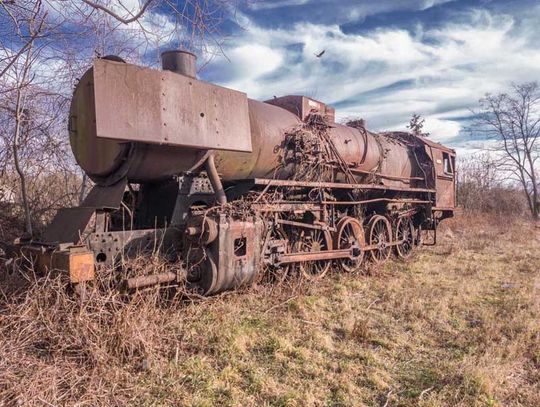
(513, 121)
(21, 63)
(479, 169)
(110, 11)
(45, 46)
(194, 25)
(416, 125)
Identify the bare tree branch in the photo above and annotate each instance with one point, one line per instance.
(110, 12)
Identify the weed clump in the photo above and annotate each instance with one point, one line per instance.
(451, 327)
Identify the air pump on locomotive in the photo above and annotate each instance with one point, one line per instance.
(232, 188)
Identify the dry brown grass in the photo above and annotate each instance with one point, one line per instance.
(457, 325)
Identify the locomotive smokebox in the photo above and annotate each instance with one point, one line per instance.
(181, 62)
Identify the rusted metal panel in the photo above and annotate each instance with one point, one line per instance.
(302, 106)
(79, 264)
(237, 254)
(159, 107)
(69, 225)
(108, 246)
(444, 163)
(77, 261)
(438, 146)
(106, 197)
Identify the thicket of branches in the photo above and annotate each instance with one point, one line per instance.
(484, 189)
(45, 46)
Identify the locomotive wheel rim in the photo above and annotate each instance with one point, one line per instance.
(380, 235)
(405, 232)
(202, 262)
(280, 273)
(349, 232)
(320, 240)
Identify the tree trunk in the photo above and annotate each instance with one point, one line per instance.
(19, 109)
(535, 196)
(18, 168)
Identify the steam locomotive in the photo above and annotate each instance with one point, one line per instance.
(235, 189)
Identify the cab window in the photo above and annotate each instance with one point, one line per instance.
(448, 164)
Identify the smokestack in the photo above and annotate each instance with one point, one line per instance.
(182, 62)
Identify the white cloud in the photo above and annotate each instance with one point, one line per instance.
(345, 10)
(253, 60)
(445, 130)
(431, 3)
(388, 74)
(262, 5)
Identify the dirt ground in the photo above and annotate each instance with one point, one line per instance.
(458, 325)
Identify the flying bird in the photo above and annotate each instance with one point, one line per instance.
(320, 54)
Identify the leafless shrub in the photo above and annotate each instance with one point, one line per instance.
(482, 188)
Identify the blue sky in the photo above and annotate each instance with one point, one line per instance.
(384, 60)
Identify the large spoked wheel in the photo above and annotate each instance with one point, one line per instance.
(314, 240)
(405, 236)
(277, 242)
(380, 236)
(350, 235)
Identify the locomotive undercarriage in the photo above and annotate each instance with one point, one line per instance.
(302, 237)
(266, 230)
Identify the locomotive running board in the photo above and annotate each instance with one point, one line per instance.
(335, 185)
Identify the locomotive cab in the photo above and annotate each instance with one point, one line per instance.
(444, 168)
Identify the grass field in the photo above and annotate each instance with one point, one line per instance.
(458, 325)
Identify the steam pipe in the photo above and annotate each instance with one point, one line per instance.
(213, 176)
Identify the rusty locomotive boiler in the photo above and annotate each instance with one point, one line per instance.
(235, 189)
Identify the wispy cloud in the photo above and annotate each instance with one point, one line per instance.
(332, 11)
(387, 74)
